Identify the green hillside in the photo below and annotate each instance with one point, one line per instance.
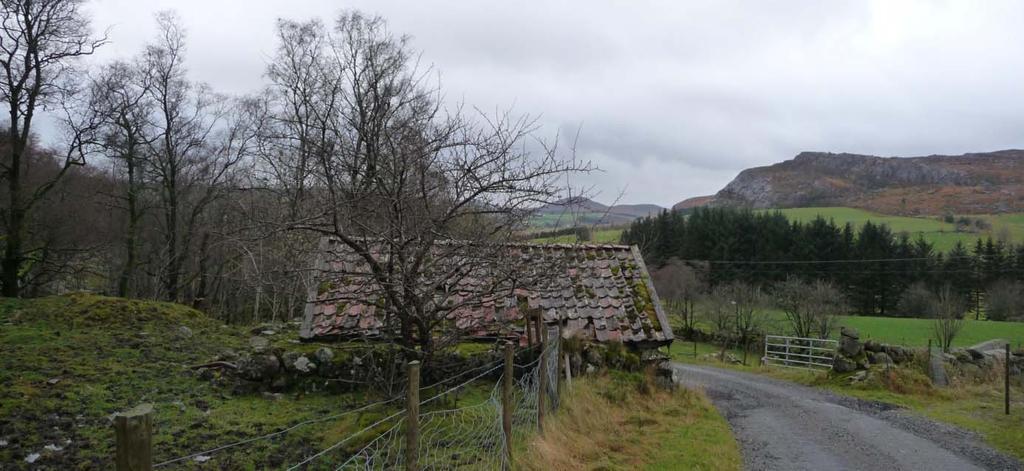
(934, 230)
(67, 363)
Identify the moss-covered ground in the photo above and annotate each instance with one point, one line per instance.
(68, 363)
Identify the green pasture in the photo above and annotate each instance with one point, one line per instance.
(934, 230)
(598, 236)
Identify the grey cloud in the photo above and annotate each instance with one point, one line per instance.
(674, 98)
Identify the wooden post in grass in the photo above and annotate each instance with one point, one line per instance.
(412, 417)
(506, 401)
(133, 432)
(558, 378)
(542, 382)
(568, 371)
(538, 322)
(1006, 381)
(529, 329)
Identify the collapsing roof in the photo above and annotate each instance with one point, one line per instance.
(599, 292)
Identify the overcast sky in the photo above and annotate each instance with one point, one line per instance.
(673, 98)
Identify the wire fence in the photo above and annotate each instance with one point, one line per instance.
(446, 437)
(470, 437)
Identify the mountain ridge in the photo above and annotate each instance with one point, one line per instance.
(971, 183)
(589, 212)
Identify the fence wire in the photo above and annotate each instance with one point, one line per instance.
(465, 438)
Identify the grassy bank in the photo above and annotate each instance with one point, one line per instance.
(68, 363)
(619, 421)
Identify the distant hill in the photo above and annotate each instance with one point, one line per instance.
(976, 183)
(584, 211)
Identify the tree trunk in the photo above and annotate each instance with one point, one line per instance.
(127, 272)
(16, 225)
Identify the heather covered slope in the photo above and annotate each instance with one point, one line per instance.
(975, 183)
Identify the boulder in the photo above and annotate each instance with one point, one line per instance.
(324, 355)
(849, 332)
(303, 365)
(897, 353)
(184, 332)
(295, 362)
(259, 367)
(850, 346)
(873, 346)
(843, 365)
(859, 376)
(880, 358)
(994, 347)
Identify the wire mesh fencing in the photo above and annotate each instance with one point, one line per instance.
(438, 436)
(470, 437)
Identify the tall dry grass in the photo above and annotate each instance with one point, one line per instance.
(622, 421)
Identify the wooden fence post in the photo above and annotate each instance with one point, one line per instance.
(558, 364)
(542, 383)
(529, 329)
(538, 321)
(133, 431)
(506, 402)
(1006, 382)
(412, 417)
(568, 371)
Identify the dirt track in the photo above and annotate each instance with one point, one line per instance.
(785, 426)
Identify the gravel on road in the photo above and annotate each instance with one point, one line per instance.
(785, 426)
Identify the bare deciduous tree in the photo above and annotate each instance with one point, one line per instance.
(948, 311)
(119, 95)
(681, 286)
(810, 308)
(426, 197)
(198, 141)
(39, 42)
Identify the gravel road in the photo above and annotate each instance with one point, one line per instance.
(785, 426)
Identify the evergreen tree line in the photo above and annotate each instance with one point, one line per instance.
(878, 270)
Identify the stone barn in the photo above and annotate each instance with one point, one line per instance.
(601, 293)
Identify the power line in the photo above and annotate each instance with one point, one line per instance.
(803, 262)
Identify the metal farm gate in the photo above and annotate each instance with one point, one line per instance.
(799, 352)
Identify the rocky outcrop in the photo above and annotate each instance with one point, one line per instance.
(979, 182)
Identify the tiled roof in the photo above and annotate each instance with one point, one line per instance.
(600, 292)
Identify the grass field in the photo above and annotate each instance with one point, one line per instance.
(556, 220)
(599, 236)
(934, 230)
(914, 332)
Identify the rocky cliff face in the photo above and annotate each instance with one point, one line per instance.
(979, 183)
